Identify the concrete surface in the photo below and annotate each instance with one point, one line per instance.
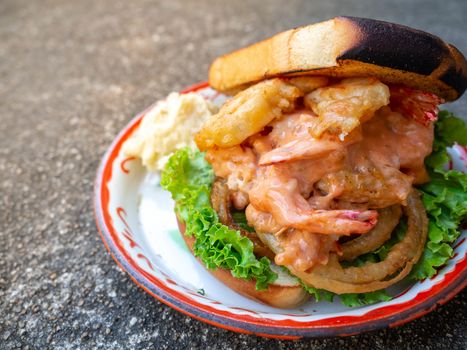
(72, 73)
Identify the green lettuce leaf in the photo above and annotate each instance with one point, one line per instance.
(448, 130)
(444, 197)
(188, 177)
(318, 294)
(361, 299)
(348, 299)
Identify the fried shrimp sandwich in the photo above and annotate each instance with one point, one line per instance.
(315, 176)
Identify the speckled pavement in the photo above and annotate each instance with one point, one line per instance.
(72, 74)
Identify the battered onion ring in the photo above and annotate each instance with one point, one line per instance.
(388, 218)
(247, 113)
(370, 276)
(220, 201)
(340, 287)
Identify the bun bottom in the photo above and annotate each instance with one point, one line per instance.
(284, 297)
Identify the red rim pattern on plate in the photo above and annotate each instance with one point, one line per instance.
(385, 316)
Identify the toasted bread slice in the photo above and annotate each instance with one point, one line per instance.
(281, 294)
(348, 47)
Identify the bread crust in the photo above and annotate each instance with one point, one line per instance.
(284, 297)
(348, 47)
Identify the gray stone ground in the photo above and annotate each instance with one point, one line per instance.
(72, 73)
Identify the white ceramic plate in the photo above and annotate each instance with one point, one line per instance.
(135, 218)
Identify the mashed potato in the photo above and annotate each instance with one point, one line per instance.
(167, 127)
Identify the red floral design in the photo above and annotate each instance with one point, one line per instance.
(123, 164)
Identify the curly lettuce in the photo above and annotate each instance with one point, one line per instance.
(444, 197)
(347, 299)
(188, 177)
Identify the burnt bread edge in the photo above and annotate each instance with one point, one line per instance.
(403, 48)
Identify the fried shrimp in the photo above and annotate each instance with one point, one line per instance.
(247, 113)
(309, 84)
(278, 194)
(300, 149)
(343, 106)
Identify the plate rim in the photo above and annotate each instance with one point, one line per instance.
(444, 290)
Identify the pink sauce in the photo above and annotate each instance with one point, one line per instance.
(315, 190)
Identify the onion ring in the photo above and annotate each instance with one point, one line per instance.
(220, 201)
(388, 218)
(247, 113)
(340, 287)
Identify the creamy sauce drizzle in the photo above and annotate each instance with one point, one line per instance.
(309, 191)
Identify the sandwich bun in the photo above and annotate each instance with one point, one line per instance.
(348, 47)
